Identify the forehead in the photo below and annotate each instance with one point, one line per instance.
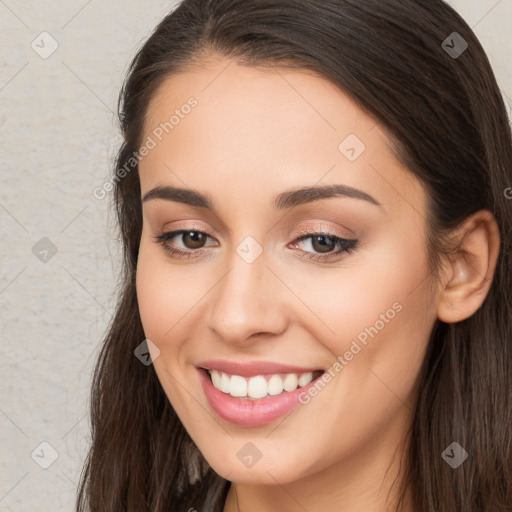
(254, 125)
(230, 94)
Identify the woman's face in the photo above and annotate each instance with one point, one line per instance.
(263, 278)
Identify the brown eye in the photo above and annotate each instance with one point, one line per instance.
(324, 246)
(193, 239)
(191, 242)
(325, 243)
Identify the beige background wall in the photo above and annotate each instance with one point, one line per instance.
(58, 257)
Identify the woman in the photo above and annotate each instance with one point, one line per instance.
(313, 208)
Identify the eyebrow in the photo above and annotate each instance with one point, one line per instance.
(288, 199)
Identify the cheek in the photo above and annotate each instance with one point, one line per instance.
(167, 295)
(377, 314)
(381, 314)
(158, 296)
(381, 289)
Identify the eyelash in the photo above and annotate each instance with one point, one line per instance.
(347, 245)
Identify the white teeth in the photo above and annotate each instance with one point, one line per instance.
(216, 379)
(258, 386)
(291, 382)
(275, 385)
(237, 386)
(305, 379)
(224, 383)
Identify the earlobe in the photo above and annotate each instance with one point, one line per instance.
(471, 269)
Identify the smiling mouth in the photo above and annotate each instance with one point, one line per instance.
(260, 386)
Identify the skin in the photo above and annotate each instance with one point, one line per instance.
(254, 134)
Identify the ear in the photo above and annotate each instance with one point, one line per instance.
(470, 271)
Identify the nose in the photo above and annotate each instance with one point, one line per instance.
(246, 302)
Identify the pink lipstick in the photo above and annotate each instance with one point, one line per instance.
(252, 412)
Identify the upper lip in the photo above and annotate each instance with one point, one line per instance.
(253, 368)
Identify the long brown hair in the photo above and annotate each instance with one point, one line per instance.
(451, 129)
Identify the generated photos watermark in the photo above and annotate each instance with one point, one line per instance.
(355, 348)
(150, 143)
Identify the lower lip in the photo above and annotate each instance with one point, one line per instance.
(250, 413)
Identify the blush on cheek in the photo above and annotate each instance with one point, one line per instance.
(164, 302)
(148, 297)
